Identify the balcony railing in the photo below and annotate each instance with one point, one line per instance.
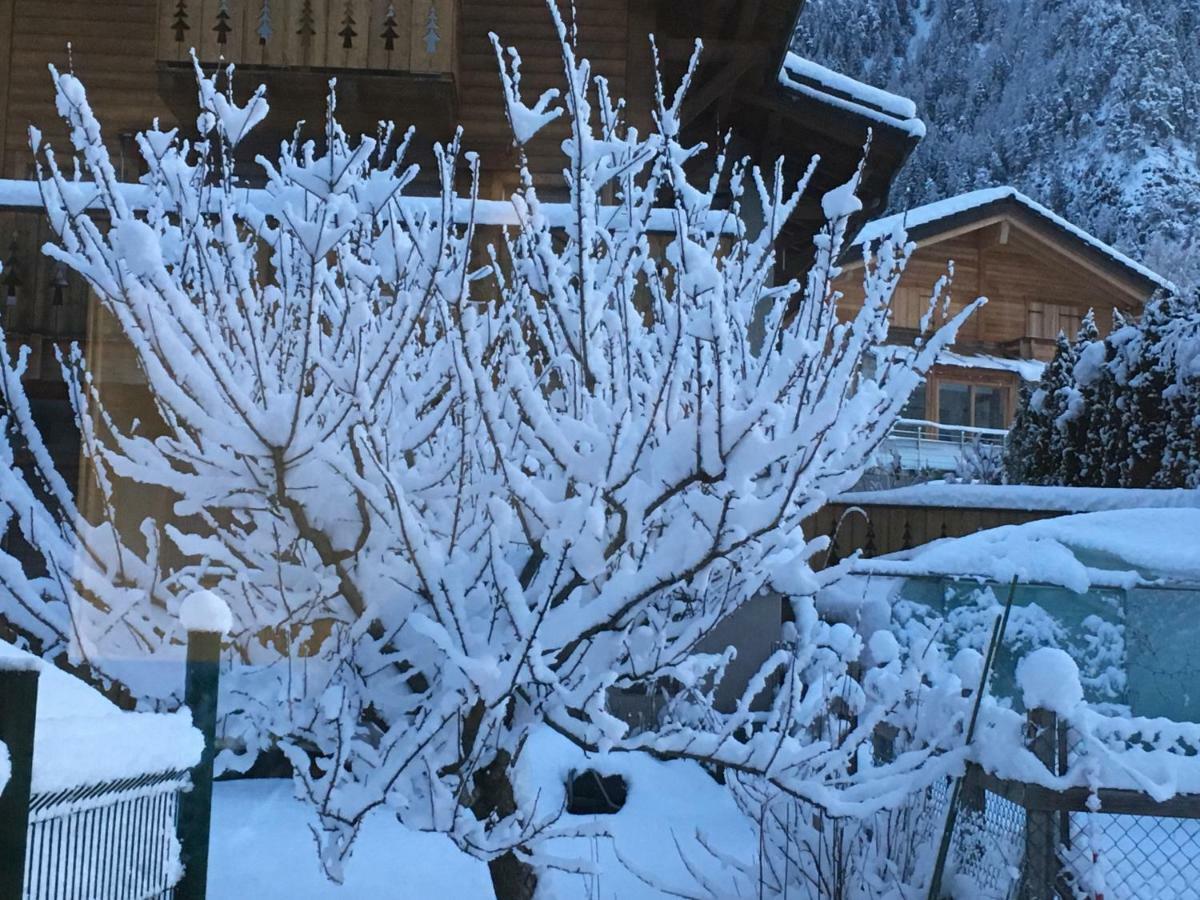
(412, 36)
(922, 430)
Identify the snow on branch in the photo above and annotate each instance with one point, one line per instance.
(451, 504)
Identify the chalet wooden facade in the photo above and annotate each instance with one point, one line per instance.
(429, 63)
(1040, 274)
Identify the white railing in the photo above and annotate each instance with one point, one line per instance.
(935, 432)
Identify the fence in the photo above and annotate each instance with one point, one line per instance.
(131, 838)
(1017, 839)
(114, 839)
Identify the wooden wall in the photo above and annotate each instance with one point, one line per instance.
(604, 30)
(878, 530)
(111, 45)
(1015, 276)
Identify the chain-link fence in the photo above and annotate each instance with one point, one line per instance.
(1019, 840)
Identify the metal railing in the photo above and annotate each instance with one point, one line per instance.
(115, 840)
(935, 432)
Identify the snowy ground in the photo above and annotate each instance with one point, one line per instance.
(262, 847)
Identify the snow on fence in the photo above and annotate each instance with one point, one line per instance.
(102, 803)
(1050, 833)
(875, 523)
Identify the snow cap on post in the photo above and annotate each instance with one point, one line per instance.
(205, 611)
(1049, 679)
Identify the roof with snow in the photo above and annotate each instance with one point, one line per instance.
(842, 92)
(926, 223)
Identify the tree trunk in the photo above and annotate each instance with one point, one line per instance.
(512, 877)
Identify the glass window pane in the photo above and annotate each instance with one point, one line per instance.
(915, 407)
(989, 406)
(954, 404)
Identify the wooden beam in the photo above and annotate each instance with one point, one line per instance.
(721, 85)
(6, 52)
(1113, 801)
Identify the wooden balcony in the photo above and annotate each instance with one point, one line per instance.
(416, 37)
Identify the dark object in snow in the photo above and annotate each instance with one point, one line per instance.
(591, 794)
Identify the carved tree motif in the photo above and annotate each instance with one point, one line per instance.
(348, 34)
(390, 33)
(433, 35)
(265, 28)
(307, 27)
(11, 276)
(180, 23)
(59, 283)
(222, 28)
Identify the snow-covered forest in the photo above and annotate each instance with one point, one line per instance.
(1089, 106)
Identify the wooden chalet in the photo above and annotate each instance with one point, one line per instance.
(1041, 275)
(429, 63)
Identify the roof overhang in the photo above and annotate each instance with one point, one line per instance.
(1037, 225)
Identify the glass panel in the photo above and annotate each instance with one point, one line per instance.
(954, 404)
(989, 406)
(915, 407)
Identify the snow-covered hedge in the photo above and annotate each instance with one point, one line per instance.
(1118, 412)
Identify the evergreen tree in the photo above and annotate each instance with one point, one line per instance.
(1077, 452)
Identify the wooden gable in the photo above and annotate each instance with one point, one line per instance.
(1038, 277)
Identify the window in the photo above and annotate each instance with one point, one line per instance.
(915, 407)
(972, 405)
(1046, 320)
(954, 404)
(989, 404)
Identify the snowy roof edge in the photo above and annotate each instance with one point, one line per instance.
(844, 92)
(938, 210)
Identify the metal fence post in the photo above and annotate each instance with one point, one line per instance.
(195, 806)
(18, 717)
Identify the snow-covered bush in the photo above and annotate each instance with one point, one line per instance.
(450, 504)
(1118, 412)
(980, 463)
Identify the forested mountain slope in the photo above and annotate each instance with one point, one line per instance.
(1090, 106)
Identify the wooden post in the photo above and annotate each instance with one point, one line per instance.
(18, 716)
(1040, 874)
(195, 806)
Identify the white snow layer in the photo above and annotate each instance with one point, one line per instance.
(942, 209)
(1025, 369)
(19, 193)
(82, 738)
(205, 611)
(861, 99)
(1114, 548)
(1026, 497)
(1049, 679)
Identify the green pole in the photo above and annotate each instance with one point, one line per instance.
(18, 716)
(195, 806)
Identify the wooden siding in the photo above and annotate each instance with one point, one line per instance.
(111, 46)
(604, 38)
(878, 530)
(1018, 276)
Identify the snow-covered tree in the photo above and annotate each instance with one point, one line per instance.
(1118, 412)
(1034, 447)
(451, 504)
